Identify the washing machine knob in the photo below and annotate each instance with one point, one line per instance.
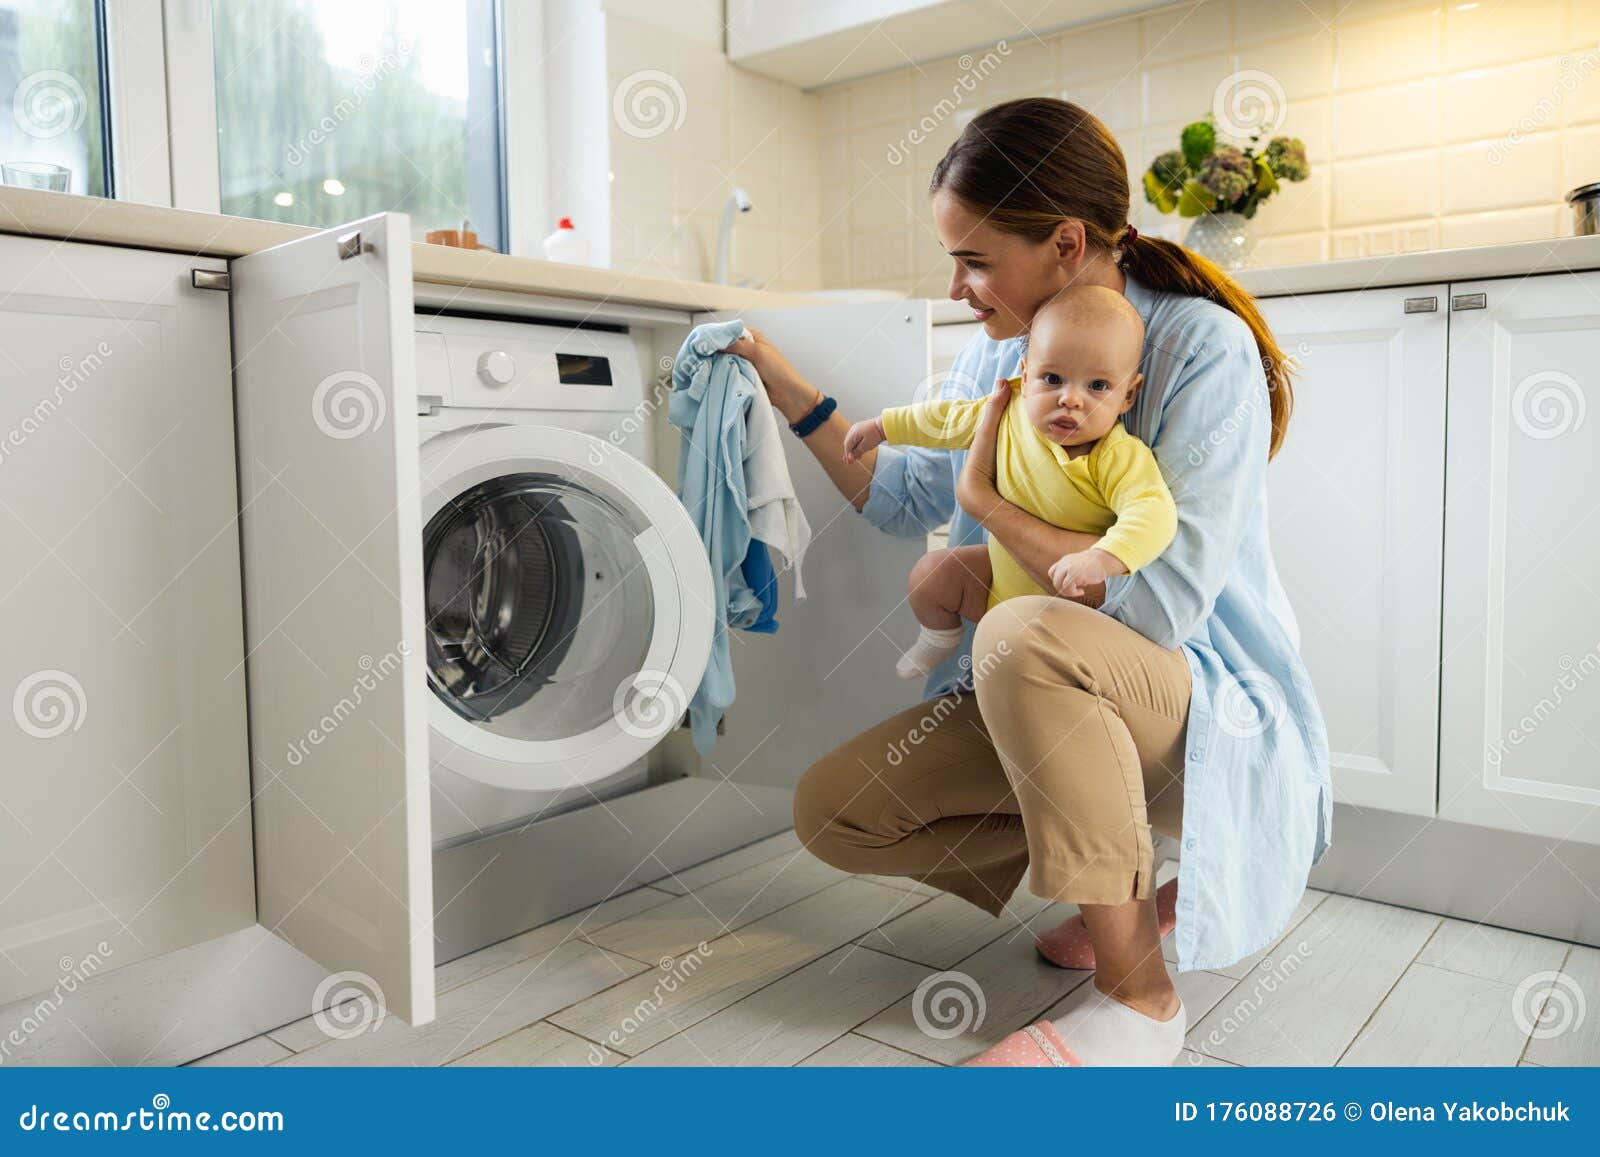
(496, 367)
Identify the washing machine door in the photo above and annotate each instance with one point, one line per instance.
(568, 606)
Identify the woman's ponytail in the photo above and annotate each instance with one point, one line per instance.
(1171, 268)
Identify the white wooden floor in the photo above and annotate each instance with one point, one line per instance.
(805, 965)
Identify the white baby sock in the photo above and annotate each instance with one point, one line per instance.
(1105, 1032)
(931, 648)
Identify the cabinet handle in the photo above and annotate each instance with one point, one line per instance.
(1469, 301)
(350, 246)
(1422, 304)
(210, 279)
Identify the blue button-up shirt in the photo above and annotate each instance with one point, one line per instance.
(1257, 800)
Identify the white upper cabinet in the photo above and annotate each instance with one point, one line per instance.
(331, 524)
(828, 673)
(124, 782)
(1355, 497)
(1521, 669)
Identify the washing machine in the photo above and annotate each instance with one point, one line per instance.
(568, 598)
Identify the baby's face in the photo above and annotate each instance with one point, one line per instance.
(1079, 379)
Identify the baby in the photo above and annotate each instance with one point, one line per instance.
(1063, 456)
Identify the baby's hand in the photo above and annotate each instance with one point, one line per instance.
(1070, 573)
(863, 436)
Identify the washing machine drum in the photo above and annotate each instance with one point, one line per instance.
(567, 603)
(538, 606)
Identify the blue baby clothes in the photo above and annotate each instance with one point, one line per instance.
(716, 400)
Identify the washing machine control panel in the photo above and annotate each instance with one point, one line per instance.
(520, 365)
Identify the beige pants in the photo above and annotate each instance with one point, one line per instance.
(1072, 751)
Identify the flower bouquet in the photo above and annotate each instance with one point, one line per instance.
(1222, 185)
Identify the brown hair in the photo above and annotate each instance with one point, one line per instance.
(1028, 164)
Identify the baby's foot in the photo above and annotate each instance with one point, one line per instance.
(931, 648)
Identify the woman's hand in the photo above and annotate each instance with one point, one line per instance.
(976, 490)
(865, 435)
(793, 396)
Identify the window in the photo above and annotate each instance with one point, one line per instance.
(51, 64)
(329, 112)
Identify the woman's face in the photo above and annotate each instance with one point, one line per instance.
(1004, 277)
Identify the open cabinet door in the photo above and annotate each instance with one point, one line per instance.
(828, 673)
(325, 394)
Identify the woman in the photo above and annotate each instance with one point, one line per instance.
(1172, 699)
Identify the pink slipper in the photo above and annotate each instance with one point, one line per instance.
(1067, 944)
(1038, 1046)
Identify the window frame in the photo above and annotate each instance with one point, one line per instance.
(162, 104)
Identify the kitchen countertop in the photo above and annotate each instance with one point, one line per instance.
(1558, 255)
(68, 217)
(65, 216)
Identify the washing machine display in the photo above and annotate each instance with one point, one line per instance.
(538, 603)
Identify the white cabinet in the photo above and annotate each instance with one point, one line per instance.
(1355, 498)
(124, 781)
(1520, 746)
(332, 539)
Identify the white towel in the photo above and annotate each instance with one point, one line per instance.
(775, 515)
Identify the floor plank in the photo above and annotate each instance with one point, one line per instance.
(858, 1052)
(787, 1021)
(1436, 1016)
(540, 1045)
(644, 1010)
(1191, 1059)
(1491, 953)
(252, 1053)
(482, 1011)
(1336, 967)
(1015, 986)
(1568, 1031)
(709, 872)
(719, 908)
(947, 929)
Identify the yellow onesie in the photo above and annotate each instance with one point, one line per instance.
(1115, 490)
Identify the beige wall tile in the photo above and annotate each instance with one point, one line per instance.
(1189, 29)
(1386, 120)
(1476, 35)
(1483, 175)
(1496, 228)
(1184, 90)
(1117, 100)
(1386, 51)
(1386, 189)
(1257, 20)
(1301, 65)
(1492, 102)
(1581, 157)
(1102, 50)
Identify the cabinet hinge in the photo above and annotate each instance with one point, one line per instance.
(1422, 304)
(210, 279)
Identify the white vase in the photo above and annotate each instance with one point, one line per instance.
(1225, 238)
